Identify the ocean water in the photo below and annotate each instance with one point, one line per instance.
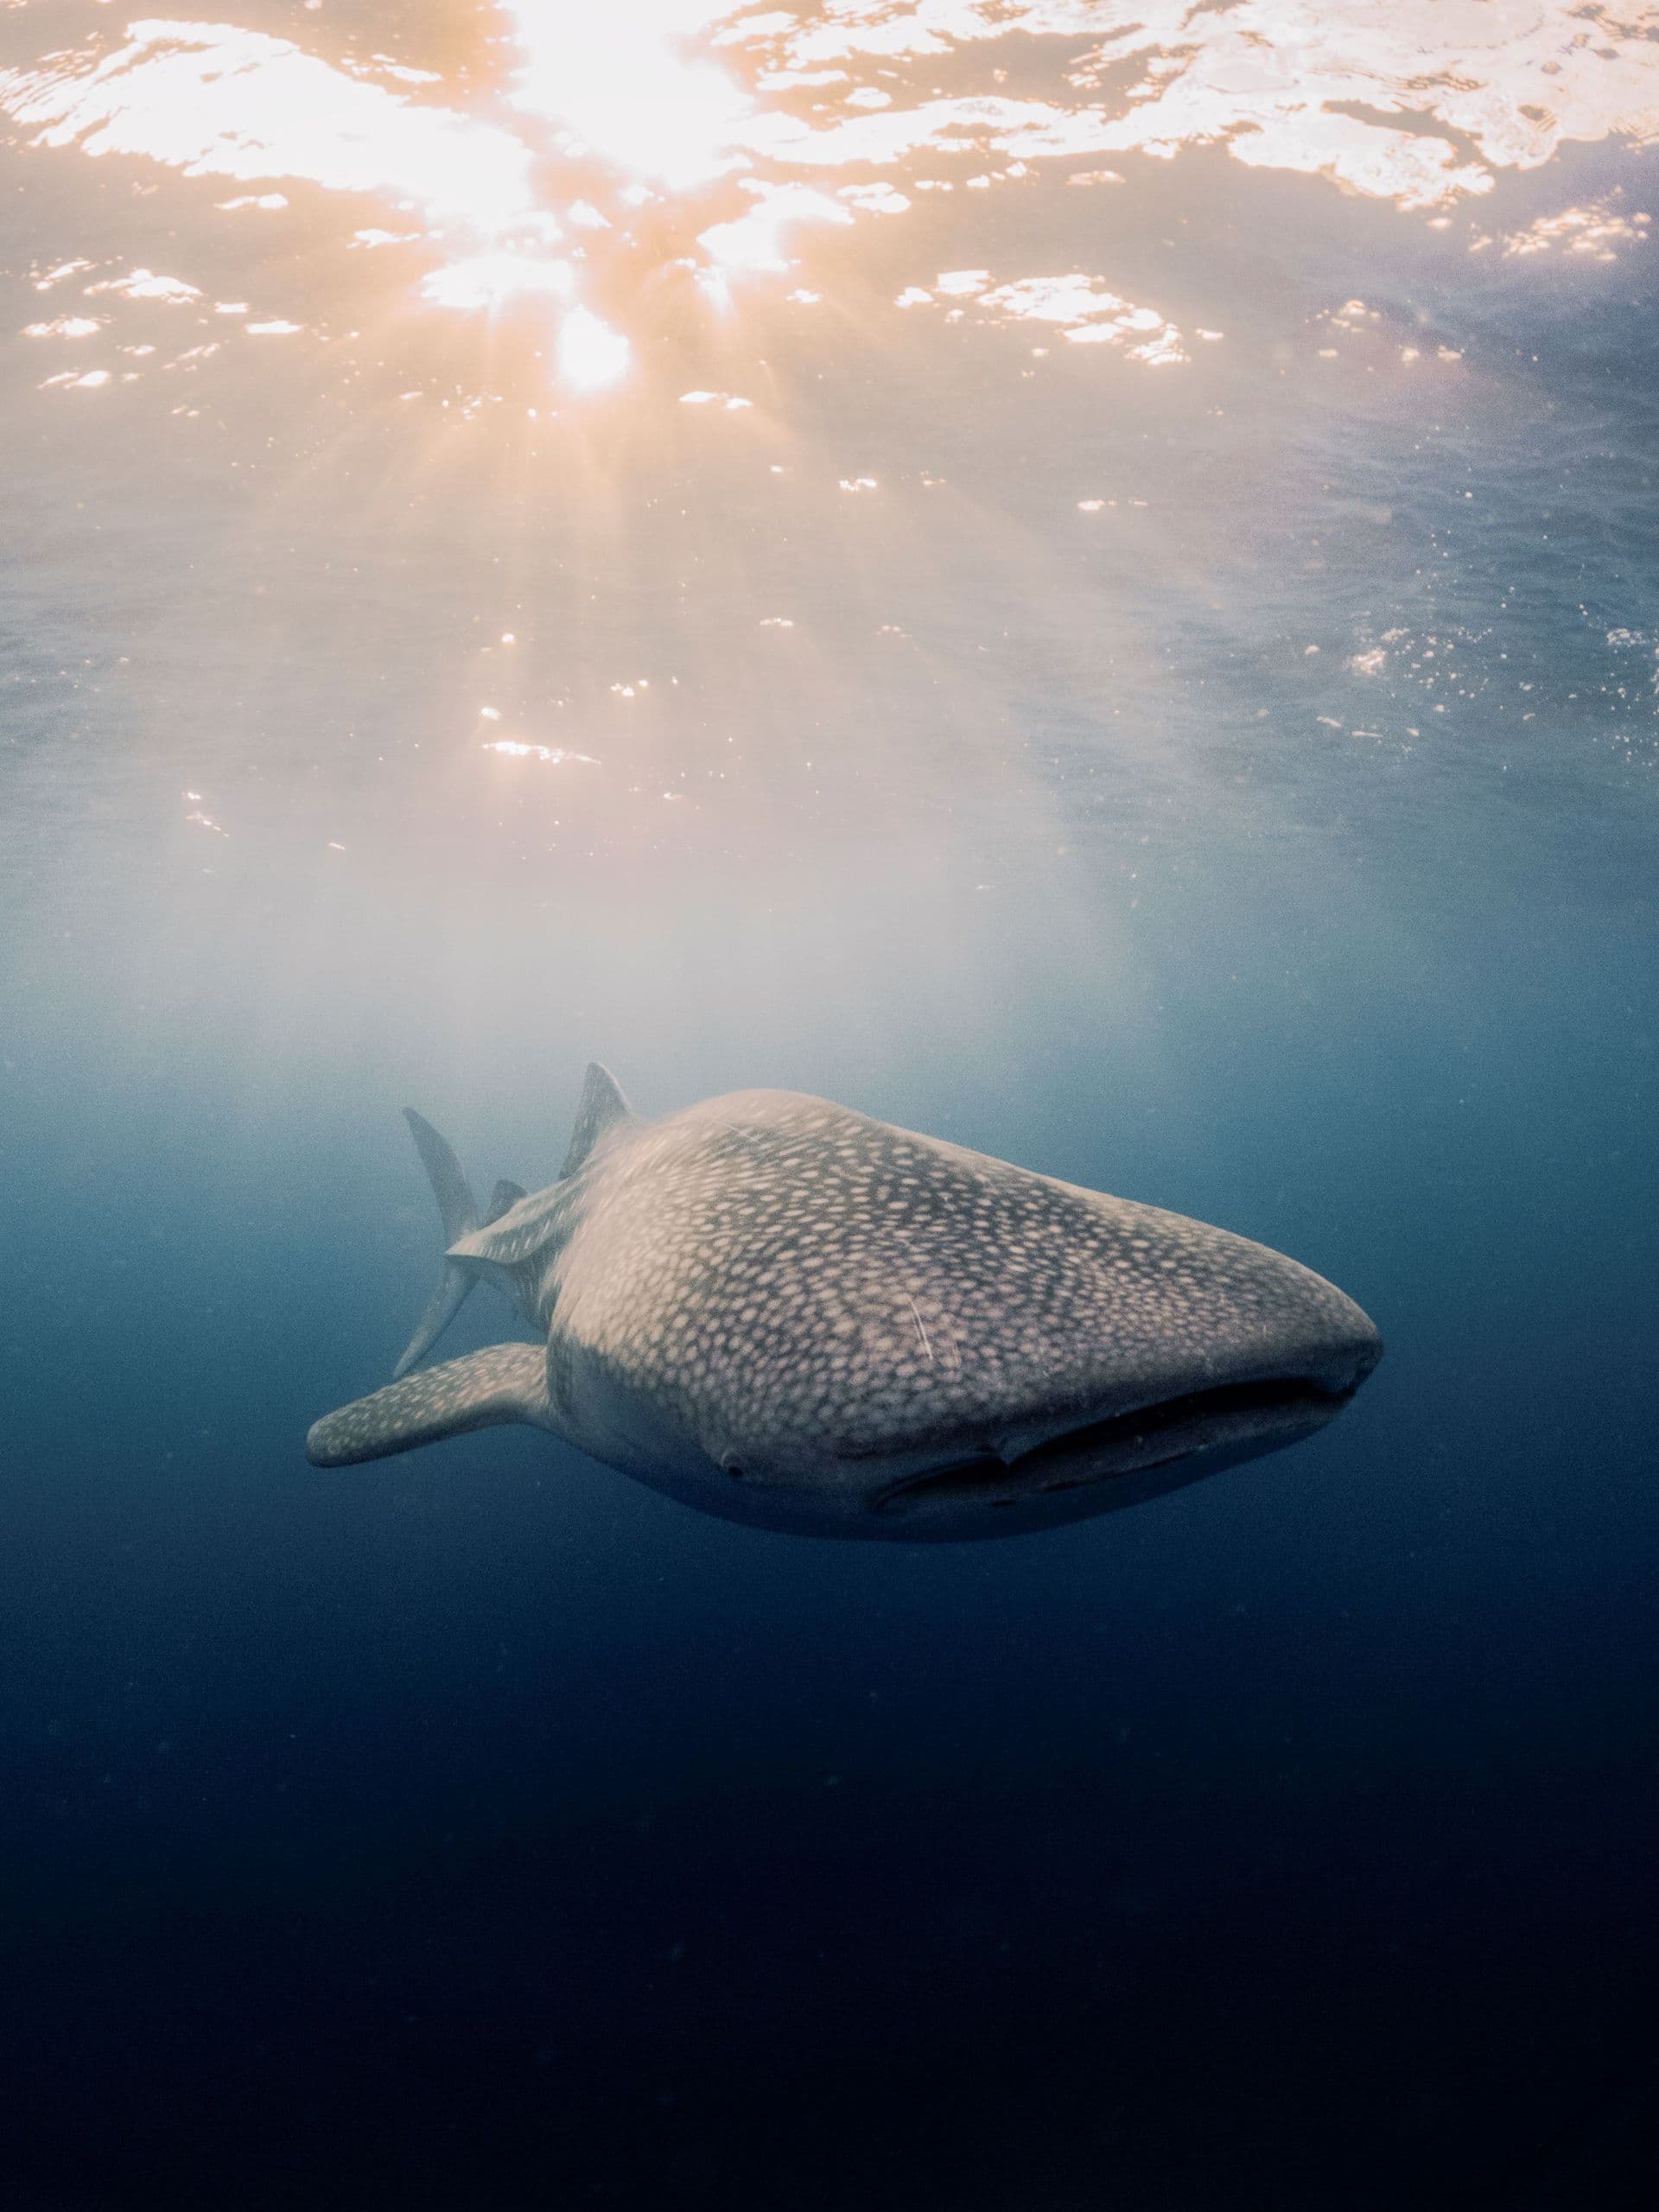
(1082, 579)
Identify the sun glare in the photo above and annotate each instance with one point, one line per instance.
(694, 135)
(753, 244)
(625, 91)
(591, 354)
(487, 280)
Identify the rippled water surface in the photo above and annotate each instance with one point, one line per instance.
(1084, 578)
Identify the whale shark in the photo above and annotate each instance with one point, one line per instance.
(784, 1312)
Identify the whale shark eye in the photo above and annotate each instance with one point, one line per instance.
(734, 1470)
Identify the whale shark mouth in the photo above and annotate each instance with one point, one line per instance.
(1238, 1418)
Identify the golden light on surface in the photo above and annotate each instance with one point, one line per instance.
(486, 280)
(626, 89)
(215, 100)
(752, 244)
(591, 354)
(619, 145)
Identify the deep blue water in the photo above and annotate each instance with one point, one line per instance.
(481, 1830)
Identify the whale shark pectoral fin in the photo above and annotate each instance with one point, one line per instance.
(508, 1383)
(602, 1108)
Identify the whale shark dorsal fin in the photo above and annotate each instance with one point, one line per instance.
(508, 1383)
(602, 1108)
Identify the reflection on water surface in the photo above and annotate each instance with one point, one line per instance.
(590, 153)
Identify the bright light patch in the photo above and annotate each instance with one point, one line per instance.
(213, 100)
(753, 244)
(144, 285)
(517, 749)
(627, 92)
(489, 279)
(591, 354)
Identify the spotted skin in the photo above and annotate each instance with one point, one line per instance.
(508, 1383)
(782, 1310)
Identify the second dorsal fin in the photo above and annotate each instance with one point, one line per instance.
(503, 1198)
(602, 1108)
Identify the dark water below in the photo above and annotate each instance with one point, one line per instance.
(479, 1829)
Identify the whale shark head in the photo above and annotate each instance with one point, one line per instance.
(786, 1312)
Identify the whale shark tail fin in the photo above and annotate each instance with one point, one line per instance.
(460, 1213)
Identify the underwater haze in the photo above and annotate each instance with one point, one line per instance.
(1081, 578)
